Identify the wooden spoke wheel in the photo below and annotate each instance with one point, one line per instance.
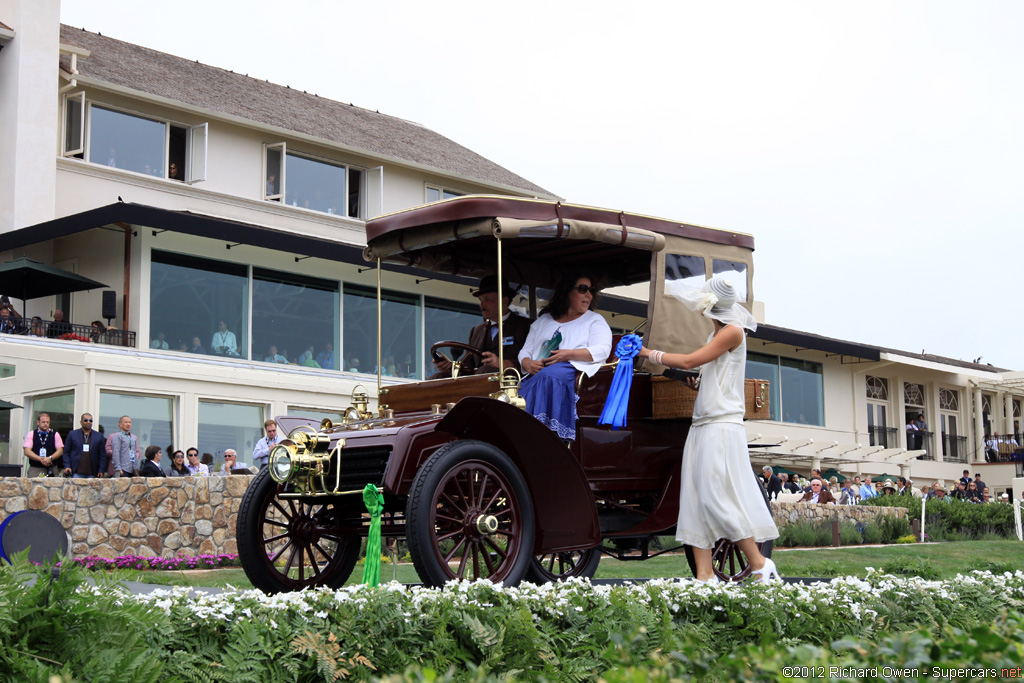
(470, 516)
(727, 561)
(556, 566)
(288, 545)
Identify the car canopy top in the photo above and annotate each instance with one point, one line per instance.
(543, 240)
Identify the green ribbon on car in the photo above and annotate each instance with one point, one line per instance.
(374, 501)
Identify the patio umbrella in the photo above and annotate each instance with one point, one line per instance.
(7, 405)
(833, 472)
(24, 278)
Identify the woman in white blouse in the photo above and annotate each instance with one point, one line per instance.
(566, 337)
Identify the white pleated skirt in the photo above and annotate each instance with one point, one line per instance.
(719, 496)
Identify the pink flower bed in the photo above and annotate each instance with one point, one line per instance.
(158, 563)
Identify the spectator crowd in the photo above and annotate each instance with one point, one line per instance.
(851, 491)
(88, 454)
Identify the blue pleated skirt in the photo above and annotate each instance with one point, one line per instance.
(550, 398)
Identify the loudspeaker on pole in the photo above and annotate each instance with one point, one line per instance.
(109, 304)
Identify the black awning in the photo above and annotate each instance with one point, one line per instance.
(187, 223)
(806, 340)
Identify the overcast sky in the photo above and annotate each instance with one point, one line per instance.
(873, 149)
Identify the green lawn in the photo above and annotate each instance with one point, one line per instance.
(948, 559)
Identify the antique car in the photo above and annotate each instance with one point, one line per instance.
(476, 485)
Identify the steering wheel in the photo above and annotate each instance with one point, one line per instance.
(438, 355)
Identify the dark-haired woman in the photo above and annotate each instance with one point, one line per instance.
(151, 467)
(178, 468)
(566, 337)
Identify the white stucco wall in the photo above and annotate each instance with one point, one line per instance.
(28, 117)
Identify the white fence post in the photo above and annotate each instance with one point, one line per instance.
(924, 504)
(1016, 520)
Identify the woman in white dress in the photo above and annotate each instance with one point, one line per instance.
(719, 495)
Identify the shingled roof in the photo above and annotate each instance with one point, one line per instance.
(215, 89)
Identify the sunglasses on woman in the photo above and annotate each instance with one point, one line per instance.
(583, 289)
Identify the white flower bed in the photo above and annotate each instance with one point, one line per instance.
(683, 599)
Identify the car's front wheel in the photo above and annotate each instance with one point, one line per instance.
(470, 516)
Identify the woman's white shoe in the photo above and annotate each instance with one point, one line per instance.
(767, 572)
(712, 581)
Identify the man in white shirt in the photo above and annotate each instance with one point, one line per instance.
(231, 462)
(196, 468)
(224, 342)
(261, 453)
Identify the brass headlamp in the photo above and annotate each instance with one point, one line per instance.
(304, 459)
(509, 388)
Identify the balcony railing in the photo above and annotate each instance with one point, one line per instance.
(52, 329)
(921, 441)
(1008, 448)
(887, 437)
(954, 448)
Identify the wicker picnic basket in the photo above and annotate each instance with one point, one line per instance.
(671, 399)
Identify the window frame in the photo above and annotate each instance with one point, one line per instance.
(777, 395)
(194, 133)
(441, 191)
(79, 148)
(364, 184)
(85, 146)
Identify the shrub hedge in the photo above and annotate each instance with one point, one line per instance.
(657, 630)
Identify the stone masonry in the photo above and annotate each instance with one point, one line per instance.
(155, 516)
(190, 516)
(812, 512)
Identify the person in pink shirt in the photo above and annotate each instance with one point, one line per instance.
(43, 448)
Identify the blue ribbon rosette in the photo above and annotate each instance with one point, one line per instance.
(616, 405)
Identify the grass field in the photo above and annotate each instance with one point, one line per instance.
(948, 559)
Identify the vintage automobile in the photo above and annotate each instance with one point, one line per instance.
(476, 485)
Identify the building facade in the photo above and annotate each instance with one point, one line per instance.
(225, 216)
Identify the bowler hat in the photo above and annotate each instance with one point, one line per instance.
(489, 285)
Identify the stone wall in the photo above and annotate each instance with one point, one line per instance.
(135, 516)
(810, 512)
(197, 515)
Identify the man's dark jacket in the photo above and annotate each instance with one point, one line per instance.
(73, 451)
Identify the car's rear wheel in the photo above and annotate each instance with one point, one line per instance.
(470, 516)
(564, 565)
(288, 545)
(728, 563)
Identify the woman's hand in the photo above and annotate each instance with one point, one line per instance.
(565, 355)
(532, 366)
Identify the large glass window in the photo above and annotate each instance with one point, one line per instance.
(797, 387)
(127, 141)
(400, 332)
(447, 321)
(294, 318)
(229, 425)
(435, 193)
(190, 298)
(60, 407)
(152, 419)
(761, 366)
(5, 439)
(315, 184)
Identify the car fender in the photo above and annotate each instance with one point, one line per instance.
(564, 509)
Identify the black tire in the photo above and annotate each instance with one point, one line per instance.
(306, 537)
(557, 566)
(469, 503)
